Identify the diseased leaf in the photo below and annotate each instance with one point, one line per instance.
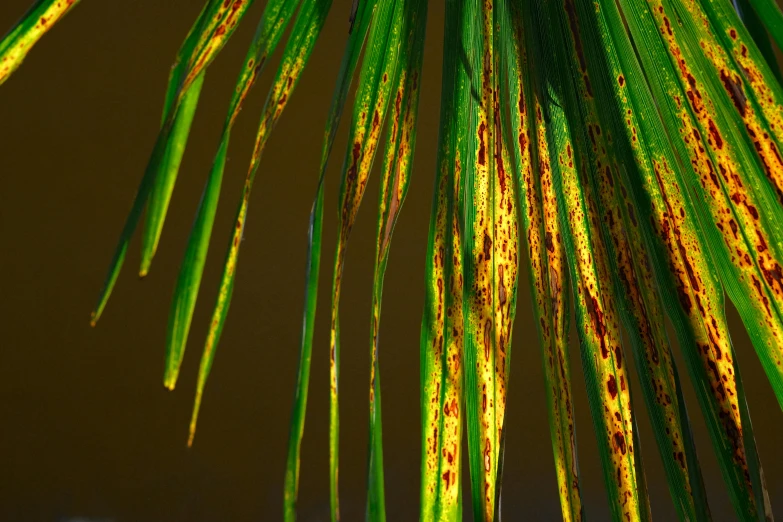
(359, 24)
(442, 401)
(546, 256)
(270, 30)
(489, 259)
(216, 23)
(641, 310)
(295, 56)
(38, 19)
(372, 101)
(277, 14)
(759, 34)
(684, 270)
(597, 316)
(398, 159)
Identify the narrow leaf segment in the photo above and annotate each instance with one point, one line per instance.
(546, 254)
(295, 56)
(360, 23)
(442, 402)
(641, 310)
(682, 263)
(270, 30)
(598, 321)
(397, 164)
(372, 102)
(38, 19)
(211, 31)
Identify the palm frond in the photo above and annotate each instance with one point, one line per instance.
(641, 310)
(41, 17)
(360, 23)
(295, 56)
(684, 267)
(212, 29)
(631, 148)
(442, 331)
(397, 165)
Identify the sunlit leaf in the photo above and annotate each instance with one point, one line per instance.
(683, 265)
(38, 19)
(295, 56)
(270, 30)
(397, 164)
(442, 402)
(212, 29)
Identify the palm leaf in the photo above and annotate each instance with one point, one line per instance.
(489, 270)
(268, 34)
(295, 56)
(642, 310)
(637, 145)
(216, 23)
(732, 190)
(442, 402)
(379, 68)
(398, 159)
(547, 269)
(360, 21)
(270, 29)
(38, 19)
(596, 314)
(682, 262)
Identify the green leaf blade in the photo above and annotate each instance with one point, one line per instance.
(373, 95)
(442, 330)
(274, 20)
(641, 310)
(36, 22)
(546, 255)
(208, 44)
(683, 265)
(596, 312)
(295, 57)
(360, 24)
(398, 158)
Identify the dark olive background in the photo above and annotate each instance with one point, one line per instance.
(86, 427)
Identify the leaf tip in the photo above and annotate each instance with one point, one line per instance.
(170, 378)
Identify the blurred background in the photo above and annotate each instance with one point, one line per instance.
(87, 430)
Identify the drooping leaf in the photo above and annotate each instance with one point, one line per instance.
(175, 148)
(442, 402)
(361, 17)
(597, 316)
(295, 57)
(747, 236)
(216, 23)
(641, 310)
(397, 164)
(38, 19)
(683, 266)
(546, 256)
(270, 30)
(489, 215)
(379, 68)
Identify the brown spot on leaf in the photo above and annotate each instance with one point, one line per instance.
(611, 386)
(619, 442)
